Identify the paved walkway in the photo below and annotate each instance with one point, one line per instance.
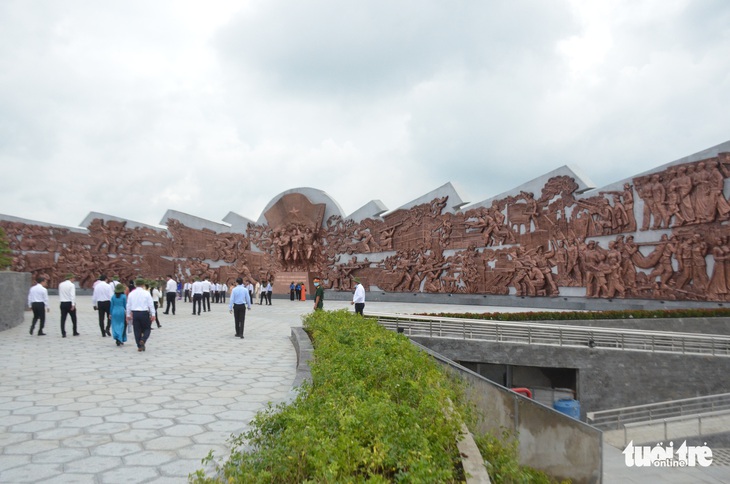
(82, 410)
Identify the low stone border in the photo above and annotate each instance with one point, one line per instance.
(14, 287)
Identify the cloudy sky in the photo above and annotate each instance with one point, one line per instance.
(132, 108)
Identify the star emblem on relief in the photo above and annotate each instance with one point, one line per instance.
(294, 211)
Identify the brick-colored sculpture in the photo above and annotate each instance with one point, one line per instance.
(532, 243)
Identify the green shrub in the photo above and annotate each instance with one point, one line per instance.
(501, 455)
(377, 410)
(591, 315)
(6, 255)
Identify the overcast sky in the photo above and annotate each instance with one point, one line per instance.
(131, 107)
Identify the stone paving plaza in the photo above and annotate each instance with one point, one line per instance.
(82, 410)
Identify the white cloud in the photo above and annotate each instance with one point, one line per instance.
(132, 108)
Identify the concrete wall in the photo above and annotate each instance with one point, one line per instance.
(605, 378)
(562, 447)
(14, 288)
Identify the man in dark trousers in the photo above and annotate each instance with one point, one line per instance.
(170, 294)
(67, 297)
(240, 299)
(38, 302)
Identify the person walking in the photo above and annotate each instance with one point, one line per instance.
(358, 298)
(186, 290)
(269, 291)
(118, 308)
(262, 292)
(304, 292)
(157, 301)
(318, 295)
(292, 290)
(67, 297)
(298, 291)
(170, 294)
(141, 313)
(206, 294)
(38, 302)
(197, 289)
(101, 298)
(240, 299)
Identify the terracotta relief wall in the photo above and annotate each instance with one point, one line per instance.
(660, 236)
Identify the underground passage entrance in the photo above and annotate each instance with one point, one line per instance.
(546, 384)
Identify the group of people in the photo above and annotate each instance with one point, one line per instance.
(216, 291)
(119, 307)
(297, 291)
(135, 306)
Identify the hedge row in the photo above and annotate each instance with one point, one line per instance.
(590, 315)
(375, 411)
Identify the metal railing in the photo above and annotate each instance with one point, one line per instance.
(697, 425)
(557, 335)
(618, 418)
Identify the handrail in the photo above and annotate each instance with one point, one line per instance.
(618, 417)
(715, 417)
(557, 335)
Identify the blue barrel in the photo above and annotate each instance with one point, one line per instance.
(568, 406)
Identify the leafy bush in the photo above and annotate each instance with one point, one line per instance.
(6, 255)
(591, 315)
(503, 466)
(375, 411)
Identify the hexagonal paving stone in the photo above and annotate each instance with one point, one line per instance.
(150, 458)
(30, 473)
(238, 415)
(198, 419)
(117, 449)
(168, 413)
(81, 422)
(153, 423)
(207, 409)
(10, 461)
(34, 426)
(110, 428)
(183, 430)
(102, 411)
(31, 447)
(87, 440)
(135, 435)
(168, 443)
(93, 465)
(180, 467)
(126, 417)
(69, 478)
(129, 475)
(60, 455)
(59, 433)
(199, 451)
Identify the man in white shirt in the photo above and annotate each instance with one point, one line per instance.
(101, 299)
(224, 290)
(206, 294)
(358, 298)
(170, 294)
(186, 290)
(141, 313)
(38, 302)
(197, 294)
(67, 297)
